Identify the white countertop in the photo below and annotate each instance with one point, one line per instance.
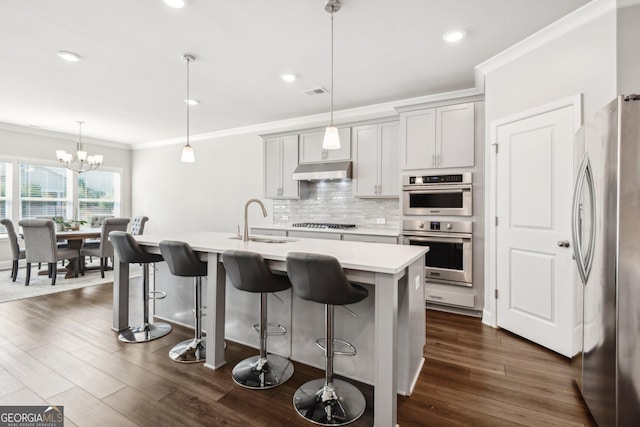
(357, 230)
(374, 257)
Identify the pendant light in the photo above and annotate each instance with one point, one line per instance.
(187, 151)
(331, 139)
(79, 162)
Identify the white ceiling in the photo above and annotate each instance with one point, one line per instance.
(131, 84)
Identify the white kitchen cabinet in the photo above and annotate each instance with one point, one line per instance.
(280, 160)
(314, 235)
(311, 150)
(371, 238)
(440, 137)
(375, 160)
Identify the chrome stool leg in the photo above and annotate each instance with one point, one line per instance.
(193, 350)
(329, 401)
(265, 370)
(147, 331)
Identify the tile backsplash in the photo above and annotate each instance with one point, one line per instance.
(330, 201)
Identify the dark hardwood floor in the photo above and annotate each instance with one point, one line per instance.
(59, 349)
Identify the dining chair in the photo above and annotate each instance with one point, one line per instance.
(137, 225)
(40, 246)
(105, 249)
(97, 220)
(17, 252)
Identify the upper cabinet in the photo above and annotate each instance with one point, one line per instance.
(280, 160)
(375, 160)
(440, 137)
(311, 150)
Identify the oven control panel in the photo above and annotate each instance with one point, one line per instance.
(409, 181)
(409, 225)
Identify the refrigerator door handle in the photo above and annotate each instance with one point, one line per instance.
(583, 260)
(592, 226)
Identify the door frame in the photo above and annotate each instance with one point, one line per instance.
(489, 313)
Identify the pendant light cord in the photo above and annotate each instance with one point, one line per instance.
(331, 94)
(187, 100)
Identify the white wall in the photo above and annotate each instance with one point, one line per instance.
(209, 194)
(582, 61)
(28, 146)
(628, 57)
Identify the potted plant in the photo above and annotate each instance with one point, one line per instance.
(68, 224)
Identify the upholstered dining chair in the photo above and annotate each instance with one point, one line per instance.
(16, 251)
(40, 246)
(97, 220)
(105, 250)
(137, 225)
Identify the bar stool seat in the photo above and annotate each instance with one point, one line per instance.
(320, 278)
(129, 251)
(184, 262)
(249, 272)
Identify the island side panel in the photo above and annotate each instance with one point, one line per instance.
(411, 327)
(120, 295)
(215, 319)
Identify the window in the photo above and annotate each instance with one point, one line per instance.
(44, 191)
(5, 210)
(98, 194)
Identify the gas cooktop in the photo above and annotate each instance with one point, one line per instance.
(323, 225)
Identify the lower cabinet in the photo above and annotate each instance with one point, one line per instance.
(370, 238)
(454, 297)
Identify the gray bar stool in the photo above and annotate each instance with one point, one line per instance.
(249, 272)
(183, 261)
(130, 252)
(320, 278)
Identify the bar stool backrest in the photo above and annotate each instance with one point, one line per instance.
(129, 250)
(181, 259)
(320, 278)
(249, 272)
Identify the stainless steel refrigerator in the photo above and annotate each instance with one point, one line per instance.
(606, 241)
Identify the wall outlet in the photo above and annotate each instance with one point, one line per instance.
(285, 217)
(381, 221)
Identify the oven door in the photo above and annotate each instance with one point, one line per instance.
(449, 259)
(450, 200)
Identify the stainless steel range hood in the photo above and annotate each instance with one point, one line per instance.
(323, 171)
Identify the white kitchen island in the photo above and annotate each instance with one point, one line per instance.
(394, 273)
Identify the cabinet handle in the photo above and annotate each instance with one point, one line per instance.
(439, 159)
(433, 160)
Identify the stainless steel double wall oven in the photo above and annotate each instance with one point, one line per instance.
(450, 257)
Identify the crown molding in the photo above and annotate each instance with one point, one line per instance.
(61, 135)
(369, 112)
(568, 23)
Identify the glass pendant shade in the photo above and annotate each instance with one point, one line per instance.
(331, 139)
(187, 154)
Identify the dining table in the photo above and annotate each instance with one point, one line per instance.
(75, 238)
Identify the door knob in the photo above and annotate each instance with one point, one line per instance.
(563, 243)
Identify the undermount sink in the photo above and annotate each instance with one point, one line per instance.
(263, 239)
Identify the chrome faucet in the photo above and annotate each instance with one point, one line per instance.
(245, 235)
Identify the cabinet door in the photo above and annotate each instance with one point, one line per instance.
(389, 168)
(272, 168)
(365, 160)
(455, 132)
(290, 187)
(311, 150)
(418, 139)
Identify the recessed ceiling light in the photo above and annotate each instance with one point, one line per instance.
(69, 56)
(454, 36)
(178, 4)
(288, 77)
(192, 101)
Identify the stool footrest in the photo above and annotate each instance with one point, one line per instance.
(157, 295)
(322, 343)
(280, 330)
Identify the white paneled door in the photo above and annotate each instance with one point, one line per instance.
(534, 171)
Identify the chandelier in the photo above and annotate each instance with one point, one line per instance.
(79, 162)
